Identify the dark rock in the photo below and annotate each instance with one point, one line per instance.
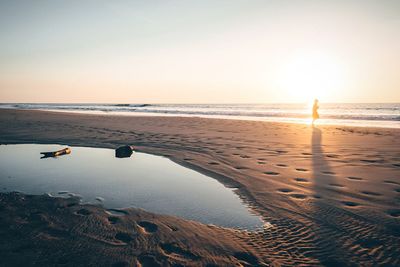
(124, 152)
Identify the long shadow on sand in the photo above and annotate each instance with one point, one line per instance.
(330, 252)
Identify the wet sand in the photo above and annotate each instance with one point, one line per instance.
(331, 193)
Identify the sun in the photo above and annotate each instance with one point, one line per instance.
(309, 76)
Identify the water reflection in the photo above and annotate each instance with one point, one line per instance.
(150, 182)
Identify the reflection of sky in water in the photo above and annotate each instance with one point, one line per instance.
(145, 181)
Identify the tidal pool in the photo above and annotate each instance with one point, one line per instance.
(145, 181)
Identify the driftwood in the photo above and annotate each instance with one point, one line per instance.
(54, 154)
(124, 152)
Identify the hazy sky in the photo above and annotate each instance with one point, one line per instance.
(199, 51)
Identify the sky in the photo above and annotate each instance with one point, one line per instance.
(101, 51)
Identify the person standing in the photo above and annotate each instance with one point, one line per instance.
(315, 108)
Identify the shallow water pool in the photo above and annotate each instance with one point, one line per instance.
(145, 181)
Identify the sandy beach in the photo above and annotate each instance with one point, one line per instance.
(330, 193)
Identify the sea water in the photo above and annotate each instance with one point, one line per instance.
(353, 114)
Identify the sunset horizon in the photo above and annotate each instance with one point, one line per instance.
(173, 133)
(200, 52)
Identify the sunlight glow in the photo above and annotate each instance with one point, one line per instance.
(311, 75)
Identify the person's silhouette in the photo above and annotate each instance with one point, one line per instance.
(315, 114)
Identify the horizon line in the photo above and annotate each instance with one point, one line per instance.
(192, 103)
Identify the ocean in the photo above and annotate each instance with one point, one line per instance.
(352, 114)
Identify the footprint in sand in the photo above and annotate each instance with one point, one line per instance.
(298, 196)
(301, 170)
(332, 156)
(328, 173)
(148, 260)
(350, 203)
(372, 160)
(117, 212)
(241, 168)
(261, 162)
(176, 251)
(124, 237)
(336, 185)
(113, 219)
(355, 178)
(371, 193)
(285, 190)
(391, 182)
(271, 173)
(149, 227)
(281, 165)
(301, 180)
(83, 212)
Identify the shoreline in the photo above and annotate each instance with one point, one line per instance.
(263, 159)
(304, 120)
